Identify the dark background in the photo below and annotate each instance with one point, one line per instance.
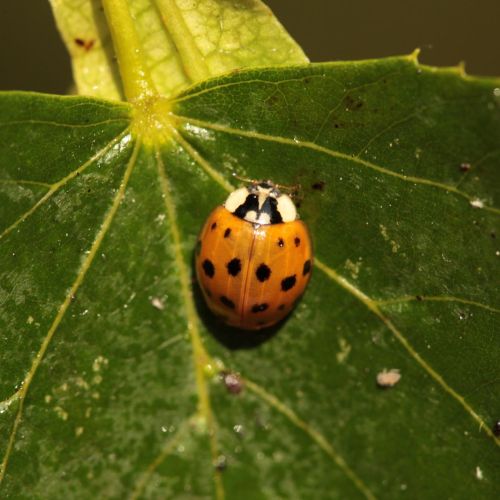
(32, 56)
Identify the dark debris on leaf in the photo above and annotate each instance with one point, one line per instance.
(496, 428)
(232, 381)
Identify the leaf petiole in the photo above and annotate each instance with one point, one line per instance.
(137, 82)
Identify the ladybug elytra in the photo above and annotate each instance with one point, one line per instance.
(254, 257)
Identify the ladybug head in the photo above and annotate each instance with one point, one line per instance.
(261, 203)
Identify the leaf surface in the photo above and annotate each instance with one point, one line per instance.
(110, 361)
(182, 41)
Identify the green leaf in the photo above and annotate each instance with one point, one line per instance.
(182, 41)
(110, 361)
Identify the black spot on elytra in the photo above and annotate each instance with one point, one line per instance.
(296, 241)
(208, 292)
(227, 232)
(198, 247)
(227, 302)
(257, 308)
(288, 283)
(281, 242)
(263, 272)
(234, 267)
(209, 268)
(307, 267)
(213, 226)
(281, 307)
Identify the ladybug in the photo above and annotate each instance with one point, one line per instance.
(254, 257)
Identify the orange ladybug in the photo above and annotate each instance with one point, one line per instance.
(254, 257)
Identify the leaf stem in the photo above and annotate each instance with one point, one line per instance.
(137, 82)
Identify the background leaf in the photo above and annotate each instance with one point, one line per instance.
(182, 42)
(110, 359)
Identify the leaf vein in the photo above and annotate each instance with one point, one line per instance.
(29, 183)
(189, 94)
(165, 453)
(58, 124)
(200, 356)
(204, 164)
(26, 383)
(439, 298)
(333, 153)
(374, 308)
(316, 436)
(347, 93)
(62, 182)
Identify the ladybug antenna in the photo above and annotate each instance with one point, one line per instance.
(246, 180)
(293, 190)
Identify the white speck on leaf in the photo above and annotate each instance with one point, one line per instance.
(61, 413)
(98, 363)
(388, 378)
(394, 244)
(477, 203)
(479, 473)
(353, 268)
(158, 303)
